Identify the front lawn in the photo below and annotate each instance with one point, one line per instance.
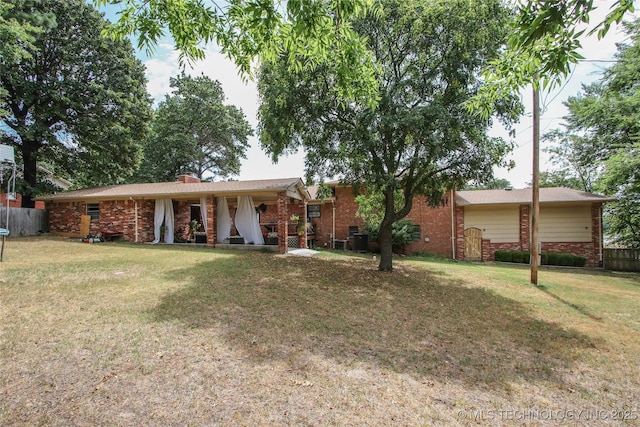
(123, 334)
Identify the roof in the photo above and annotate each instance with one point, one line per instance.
(522, 196)
(181, 189)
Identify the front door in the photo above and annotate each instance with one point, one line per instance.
(473, 244)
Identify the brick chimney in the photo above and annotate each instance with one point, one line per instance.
(188, 179)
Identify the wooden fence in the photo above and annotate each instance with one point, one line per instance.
(622, 259)
(24, 221)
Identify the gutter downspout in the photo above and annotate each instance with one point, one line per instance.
(453, 224)
(333, 225)
(600, 236)
(136, 217)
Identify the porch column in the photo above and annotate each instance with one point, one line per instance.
(210, 226)
(283, 223)
(302, 239)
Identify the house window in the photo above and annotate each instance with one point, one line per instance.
(313, 211)
(93, 210)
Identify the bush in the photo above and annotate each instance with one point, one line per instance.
(544, 258)
(503, 256)
(566, 259)
(403, 232)
(516, 256)
(553, 258)
(579, 261)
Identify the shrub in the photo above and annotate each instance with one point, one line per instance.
(503, 256)
(516, 256)
(566, 259)
(553, 258)
(544, 258)
(526, 257)
(579, 261)
(403, 232)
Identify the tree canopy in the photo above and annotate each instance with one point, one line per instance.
(419, 138)
(543, 45)
(249, 32)
(195, 132)
(600, 142)
(76, 100)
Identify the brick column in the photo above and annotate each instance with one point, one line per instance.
(283, 223)
(596, 236)
(459, 214)
(210, 227)
(302, 239)
(525, 228)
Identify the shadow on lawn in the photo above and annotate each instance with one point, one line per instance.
(410, 321)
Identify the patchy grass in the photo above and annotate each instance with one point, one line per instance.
(119, 334)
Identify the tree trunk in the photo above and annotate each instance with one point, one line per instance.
(386, 246)
(30, 176)
(385, 236)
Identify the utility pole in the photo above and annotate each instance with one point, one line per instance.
(535, 191)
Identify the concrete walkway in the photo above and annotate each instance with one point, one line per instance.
(302, 252)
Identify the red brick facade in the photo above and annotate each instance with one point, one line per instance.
(441, 228)
(17, 202)
(435, 223)
(437, 234)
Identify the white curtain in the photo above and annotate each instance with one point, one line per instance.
(223, 218)
(203, 212)
(157, 220)
(247, 221)
(163, 213)
(168, 221)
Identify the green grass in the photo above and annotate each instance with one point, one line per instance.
(122, 334)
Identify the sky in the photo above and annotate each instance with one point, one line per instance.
(163, 64)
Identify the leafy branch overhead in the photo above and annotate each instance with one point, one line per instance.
(249, 32)
(543, 46)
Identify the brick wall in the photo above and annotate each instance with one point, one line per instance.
(17, 203)
(64, 218)
(435, 223)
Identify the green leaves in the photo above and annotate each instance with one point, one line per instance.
(250, 32)
(542, 48)
(600, 146)
(195, 132)
(75, 99)
(418, 138)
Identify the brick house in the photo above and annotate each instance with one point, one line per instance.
(472, 225)
(130, 209)
(465, 225)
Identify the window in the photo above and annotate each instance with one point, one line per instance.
(93, 210)
(313, 211)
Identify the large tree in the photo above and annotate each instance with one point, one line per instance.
(77, 100)
(602, 137)
(195, 132)
(419, 139)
